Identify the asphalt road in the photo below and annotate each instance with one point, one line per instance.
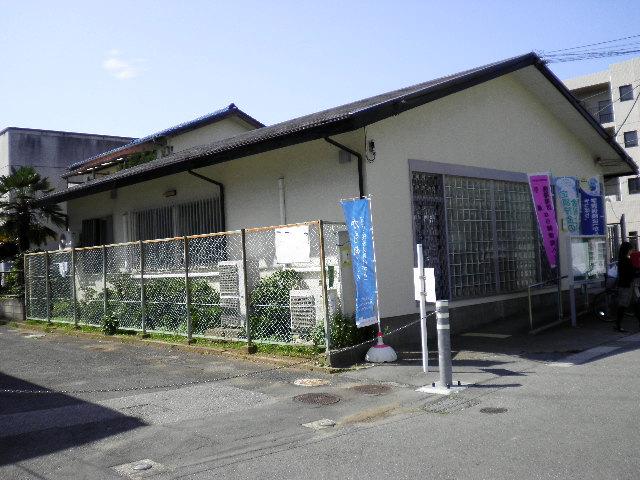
(550, 414)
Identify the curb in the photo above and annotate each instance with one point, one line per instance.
(203, 350)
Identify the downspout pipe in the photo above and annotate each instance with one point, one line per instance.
(358, 156)
(223, 222)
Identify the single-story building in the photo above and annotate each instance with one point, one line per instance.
(444, 162)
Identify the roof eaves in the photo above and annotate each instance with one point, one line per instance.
(542, 67)
(216, 116)
(278, 136)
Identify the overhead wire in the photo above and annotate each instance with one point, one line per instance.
(593, 44)
(627, 117)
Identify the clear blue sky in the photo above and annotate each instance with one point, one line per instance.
(134, 67)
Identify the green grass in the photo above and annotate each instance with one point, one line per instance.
(298, 351)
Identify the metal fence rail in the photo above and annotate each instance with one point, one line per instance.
(278, 284)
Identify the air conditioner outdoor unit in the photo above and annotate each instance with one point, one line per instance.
(303, 311)
(231, 278)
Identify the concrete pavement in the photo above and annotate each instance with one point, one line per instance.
(525, 417)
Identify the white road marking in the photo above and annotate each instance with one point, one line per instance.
(486, 335)
(584, 357)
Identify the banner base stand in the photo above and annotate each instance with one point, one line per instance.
(440, 389)
(381, 353)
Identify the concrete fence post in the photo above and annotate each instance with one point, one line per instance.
(105, 305)
(323, 284)
(26, 280)
(47, 286)
(143, 300)
(74, 293)
(187, 298)
(245, 293)
(444, 342)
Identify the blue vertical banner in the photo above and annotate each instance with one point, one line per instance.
(591, 208)
(357, 215)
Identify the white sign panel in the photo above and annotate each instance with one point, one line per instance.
(292, 244)
(429, 284)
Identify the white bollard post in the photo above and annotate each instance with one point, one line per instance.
(423, 310)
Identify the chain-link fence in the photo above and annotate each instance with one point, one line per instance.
(272, 284)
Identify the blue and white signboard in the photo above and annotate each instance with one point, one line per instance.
(357, 215)
(591, 208)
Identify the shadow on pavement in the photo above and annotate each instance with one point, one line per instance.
(35, 424)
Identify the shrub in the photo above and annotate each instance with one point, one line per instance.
(345, 333)
(271, 318)
(110, 323)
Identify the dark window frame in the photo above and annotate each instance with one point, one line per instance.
(630, 139)
(633, 185)
(627, 94)
(605, 111)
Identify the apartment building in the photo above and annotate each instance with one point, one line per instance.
(611, 96)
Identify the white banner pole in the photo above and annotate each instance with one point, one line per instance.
(423, 310)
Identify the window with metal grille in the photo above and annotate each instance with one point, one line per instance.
(634, 185)
(605, 111)
(631, 139)
(626, 93)
(489, 243)
(96, 231)
(191, 218)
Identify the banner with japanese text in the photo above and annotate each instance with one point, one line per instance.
(357, 215)
(592, 221)
(540, 185)
(567, 193)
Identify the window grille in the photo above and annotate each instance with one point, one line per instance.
(191, 218)
(626, 93)
(430, 226)
(489, 244)
(631, 139)
(471, 236)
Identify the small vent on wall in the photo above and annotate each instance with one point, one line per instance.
(303, 311)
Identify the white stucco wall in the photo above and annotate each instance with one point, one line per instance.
(226, 128)
(314, 184)
(498, 124)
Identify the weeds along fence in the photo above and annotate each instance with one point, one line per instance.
(278, 284)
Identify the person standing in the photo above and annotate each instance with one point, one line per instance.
(626, 277)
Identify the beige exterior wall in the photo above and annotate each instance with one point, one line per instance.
(498, 124)
(314, 184)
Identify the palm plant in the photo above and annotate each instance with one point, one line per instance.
(22, 218)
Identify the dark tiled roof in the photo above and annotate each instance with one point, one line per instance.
(333, 121)
(176, 129)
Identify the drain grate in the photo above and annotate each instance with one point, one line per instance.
(317, 398)
(451, 404)
(493, 410)
(372, 389)
(310, 382)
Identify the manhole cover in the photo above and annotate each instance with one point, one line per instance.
(317, 398)
(493, 410)
(451, 404)
(310, 382)
(372, 389)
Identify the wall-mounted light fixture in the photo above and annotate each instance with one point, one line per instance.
(170, 193)
(371, 151)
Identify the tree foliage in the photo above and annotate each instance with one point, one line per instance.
(22, 218)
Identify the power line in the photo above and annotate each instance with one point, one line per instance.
(625, 118)
(593, 44)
